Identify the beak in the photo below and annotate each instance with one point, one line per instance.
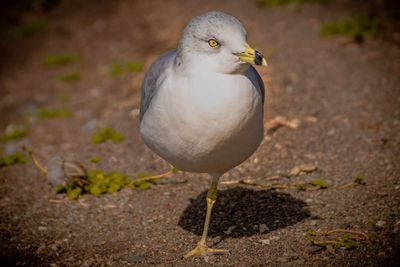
(251, 56)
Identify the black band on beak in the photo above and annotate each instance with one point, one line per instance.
(258, 58)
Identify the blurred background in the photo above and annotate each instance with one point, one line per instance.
(70, 76)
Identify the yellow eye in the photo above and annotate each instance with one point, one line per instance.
(213, 43)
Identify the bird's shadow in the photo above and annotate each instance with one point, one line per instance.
(242, 212)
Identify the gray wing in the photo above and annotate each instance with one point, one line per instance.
(153, 79)
(257, 82)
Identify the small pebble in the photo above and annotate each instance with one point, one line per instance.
(290, 89)
(57, 248)
(265, 241)
(90, 125)
(134, 259)
(41, 248)
(11, 148)
(207, 258)
(263, 228)
(380, 224)
(315, 249)
(230, 229)
(55, 171)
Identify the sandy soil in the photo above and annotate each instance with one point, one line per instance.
(344, 95)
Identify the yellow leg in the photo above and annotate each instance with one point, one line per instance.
(202, 249)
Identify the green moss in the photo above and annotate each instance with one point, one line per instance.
(69, 77)
(276, 3)
(99, 182)
(118, 68)
(348, 242)
(46, 113)
(359, 179)
(114, 187)
(356, 28)
(95, 159)
(14, 132)
(55, 60)
(319, 182)
(301, 187)
(106, 134)
(60, 189)
(310, 235)
(144, 185)
(28, 28)
(322, 239)
(134, 66)
(74, 193)
(16, 158)
(96, 191)
(140, 182)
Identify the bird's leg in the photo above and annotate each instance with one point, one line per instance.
(202, 249)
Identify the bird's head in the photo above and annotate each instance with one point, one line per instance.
(217, 41)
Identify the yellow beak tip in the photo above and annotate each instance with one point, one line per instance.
(252, 56)
(264, 62)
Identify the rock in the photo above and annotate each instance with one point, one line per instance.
(41, 248)
(275, 238)
(134, 113)
(206, 258)
(134, 259)
(305, 168)
(55, 171)
(11, 148)
(263, 228)
(230, 229)
(380, 224)
(283, 259)
(265, 241)
(289, 88)
(315, 249)
(30, 109)
(61, 171)
(57, 248)
(90, 125)
(298, 262)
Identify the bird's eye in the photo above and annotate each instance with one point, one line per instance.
(213, 43)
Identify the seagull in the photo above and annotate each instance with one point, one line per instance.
(202, 104)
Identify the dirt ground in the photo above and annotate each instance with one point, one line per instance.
(345, 96)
